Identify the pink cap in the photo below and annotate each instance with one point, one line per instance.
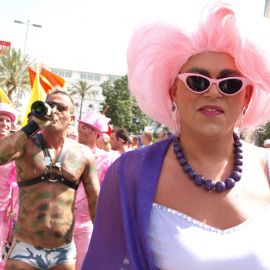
(8, 110)
(96, 120)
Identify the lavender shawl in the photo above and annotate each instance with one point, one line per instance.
(123, 211)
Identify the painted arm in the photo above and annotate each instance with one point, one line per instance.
(12, 147)
(91, 183)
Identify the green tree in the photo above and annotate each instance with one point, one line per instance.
(263, 133)
(14, 72)
(83, 89)
(121, 107)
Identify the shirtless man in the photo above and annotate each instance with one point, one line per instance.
(50, 167)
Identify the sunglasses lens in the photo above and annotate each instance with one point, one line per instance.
(197, 83)
(59, 107)
(230, 86)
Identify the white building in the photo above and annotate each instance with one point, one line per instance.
(94, 79)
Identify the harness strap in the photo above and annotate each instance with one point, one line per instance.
(43, 145)
(43, 177)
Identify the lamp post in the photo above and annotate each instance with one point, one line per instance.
(24, 49)
(267, 9)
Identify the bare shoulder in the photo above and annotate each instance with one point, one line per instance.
(80, 149)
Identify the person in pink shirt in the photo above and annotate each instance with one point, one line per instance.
(91, 126)
(9, 188)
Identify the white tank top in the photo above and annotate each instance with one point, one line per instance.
(180, 242)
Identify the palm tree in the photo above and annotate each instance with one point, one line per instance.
(83, 89)
(14, 72)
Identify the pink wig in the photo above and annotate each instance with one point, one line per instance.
(157, 52)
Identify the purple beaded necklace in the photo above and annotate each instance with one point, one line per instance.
(208, 184)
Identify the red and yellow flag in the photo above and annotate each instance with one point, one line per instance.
(43, 81)
(52, 78)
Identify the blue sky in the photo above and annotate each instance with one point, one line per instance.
(89, 35)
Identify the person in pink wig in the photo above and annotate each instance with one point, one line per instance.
(9, 188)
(200, 199)
(91, 126)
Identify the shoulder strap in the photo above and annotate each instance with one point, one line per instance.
(47, 157)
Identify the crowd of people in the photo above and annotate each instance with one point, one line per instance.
(77, 195)
(56, 167)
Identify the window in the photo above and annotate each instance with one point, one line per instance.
(89, 76)
(62, 73)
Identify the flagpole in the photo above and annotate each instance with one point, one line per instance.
(24, 50)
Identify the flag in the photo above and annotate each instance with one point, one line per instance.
(37, 93)
(43, 81)
(3, 97)
(109, 132)
(32, 76)
(53, 79)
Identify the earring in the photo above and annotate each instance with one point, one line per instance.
(243, 112)
(174, 118)
(239, 121)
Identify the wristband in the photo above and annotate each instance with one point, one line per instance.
(30, 129)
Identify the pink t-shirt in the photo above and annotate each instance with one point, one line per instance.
(8, 201)
(103, 162)
(9, 187)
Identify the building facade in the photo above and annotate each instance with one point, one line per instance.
(95, 79)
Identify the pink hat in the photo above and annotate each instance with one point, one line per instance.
(96, 120)
(8, 110)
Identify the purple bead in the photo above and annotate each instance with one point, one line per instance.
(238, 169)
(176, 148)
(238, 150)
(220, 186)
(238, 162)
(238, 155)
(186, 168)
(237, 143)
(236, 176)
(182, 161)
(199, 180)
(209, 185)
(179, 155)
(230, 183)
(192, 174)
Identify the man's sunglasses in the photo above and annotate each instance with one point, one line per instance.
(60, 107)
(198, 83)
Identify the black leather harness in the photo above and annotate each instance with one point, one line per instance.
(49, 174)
